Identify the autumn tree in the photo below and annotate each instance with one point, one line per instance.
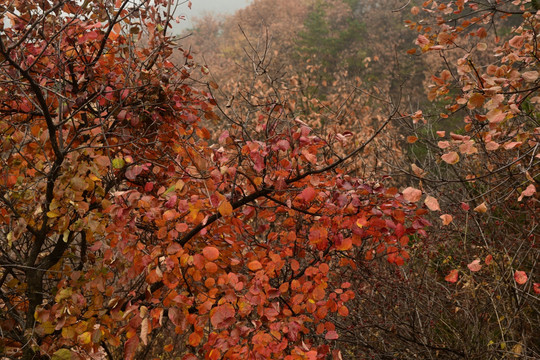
(126, 225)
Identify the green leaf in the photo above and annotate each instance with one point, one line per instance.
(62, 354)
(170, 189)
(118, 163)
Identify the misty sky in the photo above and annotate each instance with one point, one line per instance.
(200, 7)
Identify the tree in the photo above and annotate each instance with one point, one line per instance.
(126, 223)
(476, 159)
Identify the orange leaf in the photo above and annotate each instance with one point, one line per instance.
(169, 215)
(324, 268)
(411, 194)
(412, 139)
(343, 311)
(210, 253)
(318, 293)
(446, 219)
(225, 209)
(411, 51)
(194, 339)
(482, 208)
(432, 203)
(210, 267)
(254, 265)
(451, 158)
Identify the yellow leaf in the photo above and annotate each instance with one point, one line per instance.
(63, 294)
(85, 337)
(47, 327)
(52, 214)
(517, 350)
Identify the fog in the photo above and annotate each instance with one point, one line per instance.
(201, 7)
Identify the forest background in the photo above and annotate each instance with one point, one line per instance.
(303, 180)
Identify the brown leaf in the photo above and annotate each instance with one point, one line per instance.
(418, 171)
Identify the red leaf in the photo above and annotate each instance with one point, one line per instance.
(307, 194)
(331, 335)
(175, 316)
(529, 191)
(475, 265)
(148, 186)
(130, 347)
(222, 316)
(452, 276)
(520, 277)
